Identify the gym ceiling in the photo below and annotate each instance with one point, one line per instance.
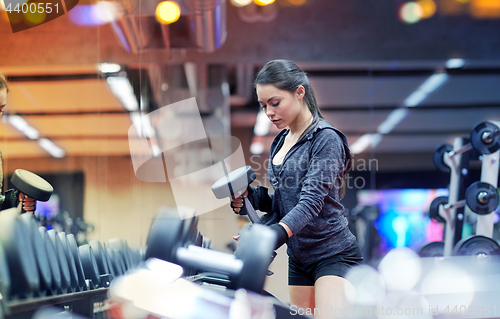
(364, 64)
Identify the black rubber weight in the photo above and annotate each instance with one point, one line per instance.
(71, 260)
(433, 249)
(4, 275)
(73, 247)
(32, 185)
(40, 252)
(117, 261)
(107, 257)
(89, 264)
(476, 245)
(52, 258)
(19, 253)
(61, 258)
(99, 257)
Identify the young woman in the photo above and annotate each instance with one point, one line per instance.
(309, 160)
(11, 197)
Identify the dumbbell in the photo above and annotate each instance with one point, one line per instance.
(234, 185)
(41, 254)
(246, 269)
(482, 198)
(53, 262)
(31, 185)
(484, 138)
(90, 268)
(73, 273)
(17, 245)
(477, 245)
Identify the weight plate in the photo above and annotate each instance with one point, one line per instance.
(433, 249)
(477, 245)
(102, 265)
(256, 247)
(73, 247)
(71, 261)
(473, 198)
(61, 259)
(52, 258)
(32, 185)
(434, 208)
(107, 258)
(4, 275)
(39, 250)
(90, 268)
(165, 235)
(18, 250)
(117, 261)
(477, 141)
(438, 157)
(119, 244)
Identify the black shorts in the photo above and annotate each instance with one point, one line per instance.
(338, 265)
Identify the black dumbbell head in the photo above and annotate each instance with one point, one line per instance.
(235, 182)
(32, 185)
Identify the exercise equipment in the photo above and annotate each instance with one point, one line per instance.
(432, 249)
(18, 248)
(31, 185)
(234, 185)
(73, 247)
(40, 252)
(73, 274)
(484, 138)
(90, 268)
(477, 245)
(482, 198)
(246, 269)
(62, 261)
(53, 261)
(102, 263)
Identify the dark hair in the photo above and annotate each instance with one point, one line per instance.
(286, 75)
(3, 82)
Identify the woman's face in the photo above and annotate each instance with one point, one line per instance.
(3, 99)
(281, 107)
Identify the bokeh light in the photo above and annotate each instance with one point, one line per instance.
(168, 12)
(410, 12)
(263, 2)
(447, 285)
(33, 16)
(369, 284)
(297, 2)
(401, 269)
(428, 8)
(240, 3)
(485, 9)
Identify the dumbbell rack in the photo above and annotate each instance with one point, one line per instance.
(481, 196)
(81, 303)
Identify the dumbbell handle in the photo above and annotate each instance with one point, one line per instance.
(208, 259)
(250, 211)
(460, 203)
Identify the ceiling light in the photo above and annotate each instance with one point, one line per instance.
(240, 3)
(51, 148)
(430, 85)
(455, 63)
(121, 88)
(21, 125)
(263, 2)
(392, 120)
(365, 140)
(168, 12)
(109, 67)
